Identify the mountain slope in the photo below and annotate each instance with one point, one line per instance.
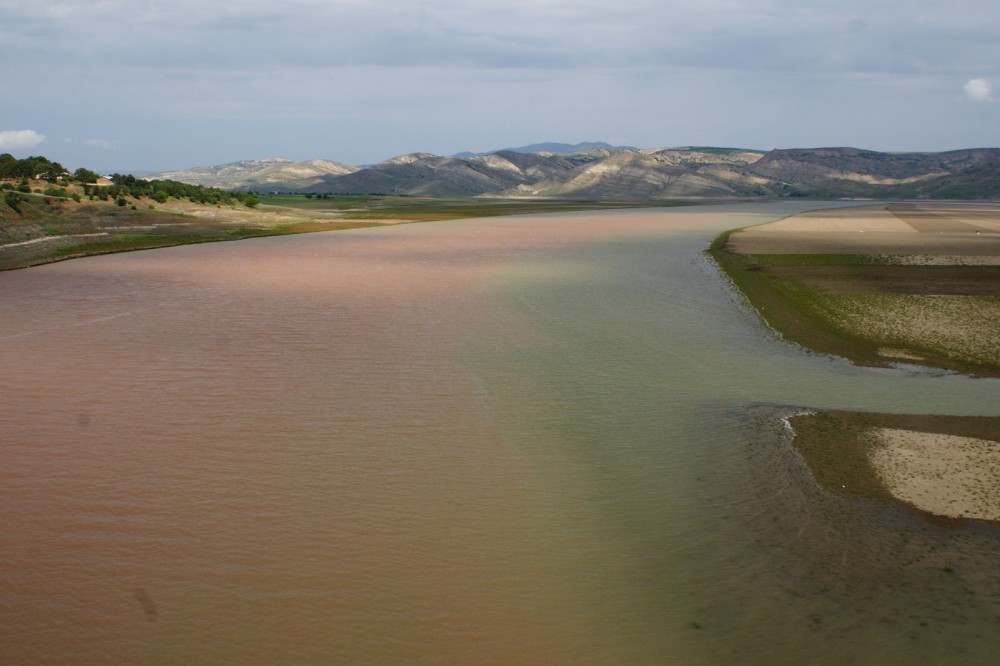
(855, 172)
(608, 173)
(431, 175)
(275, 173)
(554, 148)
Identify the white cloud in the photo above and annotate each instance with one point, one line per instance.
(20, 139)
(99, 143)
(979, 90)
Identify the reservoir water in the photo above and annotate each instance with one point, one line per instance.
(539, 439)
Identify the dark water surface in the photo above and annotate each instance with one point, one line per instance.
(542, 439)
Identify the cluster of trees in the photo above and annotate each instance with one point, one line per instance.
(123, 185)
(29, 167)
(160, 190)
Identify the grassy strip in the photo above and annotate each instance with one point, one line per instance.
(296, 228)
(770, 260)
(426, 209)
(147, 241)
(791, 308)
(126, 243)
(813, 319)
(837, 445)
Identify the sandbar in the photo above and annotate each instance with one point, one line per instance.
(942, 474)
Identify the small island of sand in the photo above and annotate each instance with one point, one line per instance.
(946, 475)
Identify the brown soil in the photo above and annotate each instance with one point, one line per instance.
(941, 280)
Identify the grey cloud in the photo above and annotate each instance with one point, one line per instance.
(756, 34)
(357, 77)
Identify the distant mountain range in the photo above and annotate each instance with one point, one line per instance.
(554, 148)
(601, 171)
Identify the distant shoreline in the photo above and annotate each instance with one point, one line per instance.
(46, 229)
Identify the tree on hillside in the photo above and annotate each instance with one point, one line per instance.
(29, 167)
(86, 175)
(13, 199)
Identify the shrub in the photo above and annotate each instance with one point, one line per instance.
(13, 199)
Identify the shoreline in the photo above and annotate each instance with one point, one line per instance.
(48, 229)
(886, 285)
(879, 285)
(946, 468)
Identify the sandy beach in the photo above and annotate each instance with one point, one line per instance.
(946, 475)
(883, 229)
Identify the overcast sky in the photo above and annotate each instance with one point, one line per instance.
(160, 84)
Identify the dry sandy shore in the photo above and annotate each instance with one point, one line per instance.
(884, 229)
(952, 476)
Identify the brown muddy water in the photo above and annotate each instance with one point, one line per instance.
(526, 440)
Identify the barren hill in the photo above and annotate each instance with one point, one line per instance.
(626, 174)
(275, 173)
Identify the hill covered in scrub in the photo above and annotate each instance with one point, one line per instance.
(588, 171)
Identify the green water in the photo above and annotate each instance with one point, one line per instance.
(650, 398)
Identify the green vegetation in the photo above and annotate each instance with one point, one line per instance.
(161, 190)
(121, 186)
(790, 307)
(13, 200)
(86, 175)
(768, 260)
(874, 328)
(29, 167)
(126, 243)
(426, 209)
